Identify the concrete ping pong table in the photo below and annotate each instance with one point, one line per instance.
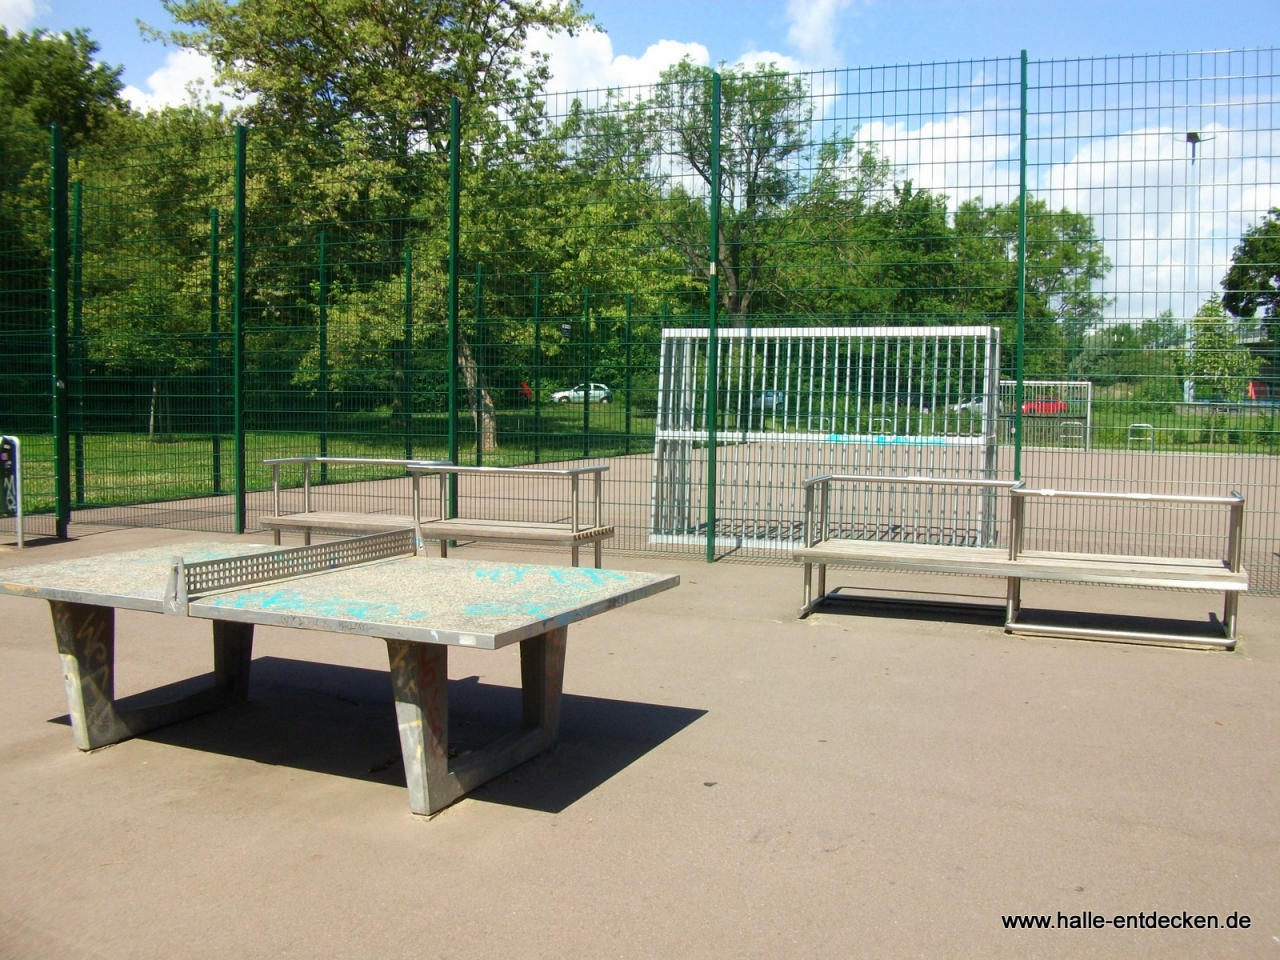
(373, 586)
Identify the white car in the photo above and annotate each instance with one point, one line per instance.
(599, 393)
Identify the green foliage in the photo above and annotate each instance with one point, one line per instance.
(606, 201)
(1140, 357)
(53, 78)
(1220, 366)
(1253, 281)
(391, 65)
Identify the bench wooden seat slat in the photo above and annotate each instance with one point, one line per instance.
(339, 522)
(1121, 558)
(1181, 573)
(457, 529)
(468, 529)
(921, 557)
(521, 531)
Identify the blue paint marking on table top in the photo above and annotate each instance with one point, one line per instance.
(464, 602)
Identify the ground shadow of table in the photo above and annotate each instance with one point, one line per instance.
(341, 721)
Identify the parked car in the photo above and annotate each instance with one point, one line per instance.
(768, 401)
(976, 405)
(598, 393)
(1045, 407)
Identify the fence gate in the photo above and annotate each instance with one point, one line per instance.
(797, 402)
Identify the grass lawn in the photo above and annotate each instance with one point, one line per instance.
(129, 468)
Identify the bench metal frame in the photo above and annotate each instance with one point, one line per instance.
(443, 469)
(1021, 564)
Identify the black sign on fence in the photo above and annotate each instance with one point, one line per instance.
(11, 483)
(9, 506)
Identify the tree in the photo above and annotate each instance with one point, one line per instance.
(1253, 281)
(378, 72)
(53, 78)
(764, 123)
(391, 64)
(1217, 361)
(1065, 258)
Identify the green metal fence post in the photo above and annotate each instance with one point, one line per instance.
(586, 371)
(215, 365)
(323, 358)
(237, 333)
(77, 336)
(407, 403)
(454, 149)
(477, 357)
(627, 360)
(713, 345)
(537, 368)
(58, 330)
(1022, 276)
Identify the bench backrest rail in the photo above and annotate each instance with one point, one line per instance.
(816, 532)
(443, 469)
(817, 529)
(1236, 501)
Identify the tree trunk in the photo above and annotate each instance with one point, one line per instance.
(151, 417)
(481, 401)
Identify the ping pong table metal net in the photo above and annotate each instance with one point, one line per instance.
(188, 581)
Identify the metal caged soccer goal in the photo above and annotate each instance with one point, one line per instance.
(795, 402)
(1055, 413)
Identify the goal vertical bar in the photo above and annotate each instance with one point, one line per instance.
(712, 340)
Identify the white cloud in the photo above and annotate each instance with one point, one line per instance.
(587, 61)
(18, 14)
(814, 29)
(185, 77)
(1168, 228)
(759, 58)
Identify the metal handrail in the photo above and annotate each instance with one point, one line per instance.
(874, 478)
(522, 471)
(1234, 498)
(442, 468)
(413, 467)
(373, 460)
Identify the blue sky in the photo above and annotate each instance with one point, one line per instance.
(642, 37)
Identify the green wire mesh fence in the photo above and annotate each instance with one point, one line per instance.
(26, 357)
(517, 287)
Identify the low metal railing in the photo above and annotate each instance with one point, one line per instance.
(444, 469)
(814, 532)
(1235, 500)
(823, 485)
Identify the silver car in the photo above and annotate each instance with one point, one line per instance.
(599, 393)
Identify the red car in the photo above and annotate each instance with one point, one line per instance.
(1045, 407)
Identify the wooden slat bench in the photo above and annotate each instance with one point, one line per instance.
(572, 533)
(1015, 564)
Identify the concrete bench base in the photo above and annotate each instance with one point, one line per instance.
(513, 531)
(1082, 568)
